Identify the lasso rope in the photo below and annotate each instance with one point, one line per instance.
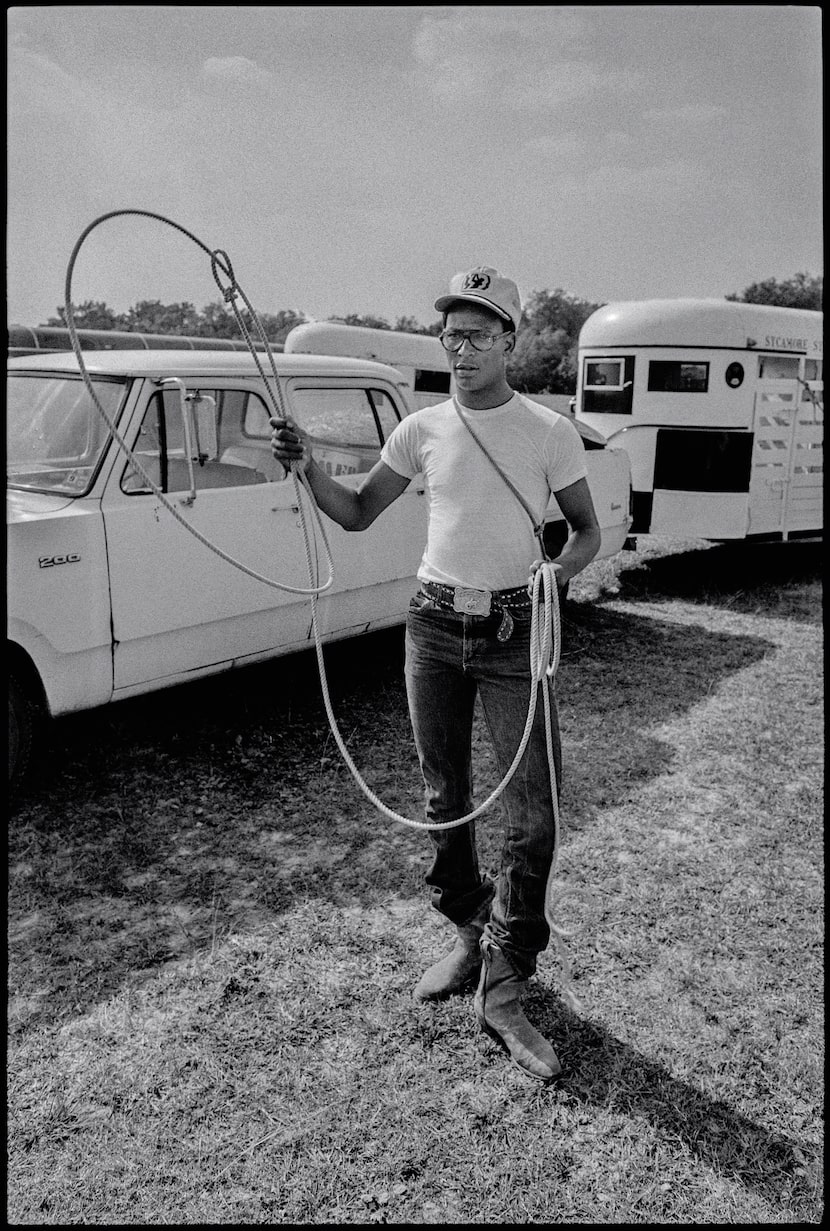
(219, 260)
(544, 658)
(545, 629)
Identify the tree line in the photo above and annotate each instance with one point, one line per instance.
(543, 361)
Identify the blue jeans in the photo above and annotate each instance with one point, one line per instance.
(450, 659)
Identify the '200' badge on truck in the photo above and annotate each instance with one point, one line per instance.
(51, 561)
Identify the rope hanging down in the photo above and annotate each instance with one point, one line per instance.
(545, 630)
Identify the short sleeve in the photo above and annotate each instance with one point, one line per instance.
(401, 452)
(565, 456)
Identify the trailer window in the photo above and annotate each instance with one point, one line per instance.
(812, 384)
(777, 367)
(608, 385)
(603, 374)
(427, 380)
(677, 376)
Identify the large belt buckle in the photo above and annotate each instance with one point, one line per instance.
(471, 602)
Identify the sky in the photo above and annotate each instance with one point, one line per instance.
(352, 159)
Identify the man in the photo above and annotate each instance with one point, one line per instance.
(491, 459)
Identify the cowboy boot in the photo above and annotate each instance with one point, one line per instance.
(459, 970)
(499, 1012)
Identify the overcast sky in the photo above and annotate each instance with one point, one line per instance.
(351, 159)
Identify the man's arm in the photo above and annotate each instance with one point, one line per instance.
(583, 543)
(353, 510)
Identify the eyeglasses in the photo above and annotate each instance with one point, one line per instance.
(479, 339)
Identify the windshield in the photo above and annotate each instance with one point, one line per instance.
(55, 434)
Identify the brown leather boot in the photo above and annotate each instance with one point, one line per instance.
(457, 972)
(499, 1012)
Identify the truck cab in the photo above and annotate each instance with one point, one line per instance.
(109, 596)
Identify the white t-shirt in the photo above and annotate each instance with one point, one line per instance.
(479, 536)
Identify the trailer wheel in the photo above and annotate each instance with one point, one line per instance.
(23, 716)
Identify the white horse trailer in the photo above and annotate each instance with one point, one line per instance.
(420, 358)
(720, 407)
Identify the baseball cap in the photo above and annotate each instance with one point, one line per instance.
(487, 287)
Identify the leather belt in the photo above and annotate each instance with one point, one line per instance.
(475, 602)
(479, 602)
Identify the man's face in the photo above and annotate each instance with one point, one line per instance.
(475, 369)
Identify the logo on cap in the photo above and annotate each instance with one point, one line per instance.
(476, 281)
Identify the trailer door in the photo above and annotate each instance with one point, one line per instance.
(776, 408)
(805, 494)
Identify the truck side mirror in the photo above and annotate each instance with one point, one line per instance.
(199, 423)
(200, 419)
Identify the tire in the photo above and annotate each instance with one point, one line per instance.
(22, 726)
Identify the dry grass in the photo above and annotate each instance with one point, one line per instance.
(213, 940)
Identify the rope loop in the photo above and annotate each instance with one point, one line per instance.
(219, 259)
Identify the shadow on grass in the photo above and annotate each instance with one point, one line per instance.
(621, 677)
(161, 824)
(601, 1070)
(782, 579)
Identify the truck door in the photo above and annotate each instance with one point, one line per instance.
(375, 569)
(177, 607)
(774, 422)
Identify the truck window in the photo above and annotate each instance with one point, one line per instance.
(55, 434)
(243, 458)
(386, 412)
(347, 425)
(344, 425)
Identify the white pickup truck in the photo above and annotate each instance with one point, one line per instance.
(109, 596)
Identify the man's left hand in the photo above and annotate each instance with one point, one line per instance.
(561, 581)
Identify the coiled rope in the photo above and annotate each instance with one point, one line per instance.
(545, 629)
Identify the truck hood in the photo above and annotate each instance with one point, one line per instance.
(22, 505)
(589, 433)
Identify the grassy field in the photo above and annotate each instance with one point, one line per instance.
(213, 939)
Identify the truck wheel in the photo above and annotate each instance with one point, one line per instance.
(22, 722)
